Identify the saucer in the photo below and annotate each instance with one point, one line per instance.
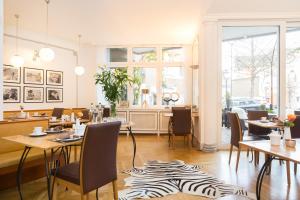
(37, 135)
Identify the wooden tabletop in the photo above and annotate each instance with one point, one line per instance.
(281, 151)
(62, 123)
(265, 124)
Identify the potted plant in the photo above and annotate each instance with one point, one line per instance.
(114, 84)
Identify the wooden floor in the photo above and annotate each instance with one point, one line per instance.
(156, 148)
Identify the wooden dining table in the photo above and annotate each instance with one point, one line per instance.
(65, 123)
(280, 152)
(53, 149)
(265, 124)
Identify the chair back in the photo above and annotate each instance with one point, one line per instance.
(236, 128)
(181, 120)
(257, 115)
(85, 114)
(98, 155)
(57, 112)
(106, 112)
(295, 131)
(297, 112)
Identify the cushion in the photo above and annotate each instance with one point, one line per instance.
(69, 173)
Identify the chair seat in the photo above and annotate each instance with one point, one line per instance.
(69, 173)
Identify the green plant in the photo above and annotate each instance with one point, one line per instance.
(114, 83)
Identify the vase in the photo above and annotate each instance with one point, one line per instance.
(113, 110)
(287, 133)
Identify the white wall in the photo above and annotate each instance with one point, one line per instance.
(64, 61)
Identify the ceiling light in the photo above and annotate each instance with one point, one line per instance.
(17, 60)
(79, 70)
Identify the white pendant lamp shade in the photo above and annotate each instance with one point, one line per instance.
(79, 70)
(17, 61)
(46, 54)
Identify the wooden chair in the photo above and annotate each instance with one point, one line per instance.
(57, 112)
(295, 133)
(297, 112)
(97, 165)
(257, 115)
(86, 114)
(180, 124)
(106, 112)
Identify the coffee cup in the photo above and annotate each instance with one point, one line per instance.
(53, 119)
(37, 130)
(263, 118)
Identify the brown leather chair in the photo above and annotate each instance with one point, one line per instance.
(180, 124)
(97, 165)
(256, 130)
(86, 114)
(297, 112)
(106, 112)
(57, 112)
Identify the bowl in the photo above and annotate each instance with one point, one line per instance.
(290, 143)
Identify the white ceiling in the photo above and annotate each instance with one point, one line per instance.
(111, 22)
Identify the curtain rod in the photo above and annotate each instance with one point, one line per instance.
(42, 43)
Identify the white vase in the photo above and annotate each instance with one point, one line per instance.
(287, 133)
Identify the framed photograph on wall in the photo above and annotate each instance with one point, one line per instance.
(54, 95)
(54, 77)
(33, 76)
(11, 74)
(33, 94)
(11, 94)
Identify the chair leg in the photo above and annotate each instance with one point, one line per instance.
(173, 137)
(238, 159)
(190, 140)
(231, 146)
(288, 176)
(115, 189)
(55, 192)
(295, 168)
(247, 152)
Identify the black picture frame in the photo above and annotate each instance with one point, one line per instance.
(25, 100)
(6, 95)
(15, 68)
(26, 69)
(49, 82)
(50, 99)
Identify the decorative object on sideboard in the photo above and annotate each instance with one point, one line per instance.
(11, 74)
(17, 60)
(145, 92)
(11, 94)
(33, 76)
(33, 94)
(114, 84)
(175, 97)
(167, 98)
(54, 77)
(46, 53)
(54, 95)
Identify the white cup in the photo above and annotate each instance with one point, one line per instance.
(37, 130)
(53, 119)
(263, 118)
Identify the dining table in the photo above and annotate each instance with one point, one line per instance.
(278, 152)
(54, 146)
(65, 123)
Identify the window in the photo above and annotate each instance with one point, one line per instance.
(172, 54)
(292, 69)
(145, 81)
(146, 54)
(117, 54)
(173, 83)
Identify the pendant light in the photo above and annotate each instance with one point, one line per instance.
(46, 53)
(17, 60)
(79, 70)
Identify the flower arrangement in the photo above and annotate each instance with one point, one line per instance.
(289, 122)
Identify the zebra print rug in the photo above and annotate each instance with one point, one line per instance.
(158, 179)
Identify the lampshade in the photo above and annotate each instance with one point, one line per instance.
(79, 70)
(46, 54)
(17, 61)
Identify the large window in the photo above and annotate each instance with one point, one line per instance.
(117, 54)
(292, 69)
(172, 54)
(144, 54)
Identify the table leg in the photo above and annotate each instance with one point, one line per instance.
(20, 168)
(261, 175)
(134, 144)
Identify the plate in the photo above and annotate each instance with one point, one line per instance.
(264, 121)
(67, 139)
(54, 131)
(37, 135)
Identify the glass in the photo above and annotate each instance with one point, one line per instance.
(292, 69)
(145, 54)
(172, 54)
(117, 54)
(173, 83)
(145, 80)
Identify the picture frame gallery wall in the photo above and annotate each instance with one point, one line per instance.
(39, 85)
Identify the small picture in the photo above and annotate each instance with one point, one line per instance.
(33, 94)
(11, 94)
(54, 95)
(54, 77)
(11, 74)
(33, 76)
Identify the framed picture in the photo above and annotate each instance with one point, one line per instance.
(11, 94)
(54, 95)
(33, 76)
(33, 94)
(11, 74)
(54, 77)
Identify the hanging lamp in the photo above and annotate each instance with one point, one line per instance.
(17, 60)
(79, 70)
(46, 53)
